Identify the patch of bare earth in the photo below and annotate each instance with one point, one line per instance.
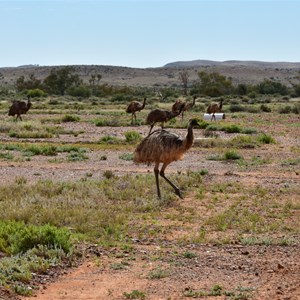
(267, 272)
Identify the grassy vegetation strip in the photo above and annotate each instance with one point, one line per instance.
(53, 148)
(30, 249)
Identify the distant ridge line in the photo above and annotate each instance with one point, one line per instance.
(246, 63)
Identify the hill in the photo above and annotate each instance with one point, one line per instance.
(249, 72)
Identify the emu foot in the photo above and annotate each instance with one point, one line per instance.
(178, 193)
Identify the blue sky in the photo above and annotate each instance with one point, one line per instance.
(147, 33)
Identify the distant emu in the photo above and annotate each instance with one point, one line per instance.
(134, 107)
(162, 116)
(187, 106)
(164, 147)
(214, 108)
(19, 108)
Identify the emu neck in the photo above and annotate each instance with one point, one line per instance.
(189, 139)
(144, 103)
(221, 104)
(176, 113)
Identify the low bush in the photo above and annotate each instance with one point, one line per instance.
(265, 108)
(132, 136)
(70, 118)
(266, 139)
(18, 237)
(232, 155)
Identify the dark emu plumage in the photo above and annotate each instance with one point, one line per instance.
(164, 147)
(134, 107)
(214, 108)
(19, 108)
(161, 116)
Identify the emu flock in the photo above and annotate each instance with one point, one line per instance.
(164, 147)
(158, 147)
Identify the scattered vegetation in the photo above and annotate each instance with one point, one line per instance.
(135, 294)
(240, 293)
(30, 249)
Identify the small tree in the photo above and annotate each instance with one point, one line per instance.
(31, 83)
(272, 87)
(242, 89)
(61, 79)
(213, 84)
(79, 91)
(99, 77)
(184, 78)
(297, 90)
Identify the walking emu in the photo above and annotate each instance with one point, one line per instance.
(133, 107)
(164, 147)
(162, 116)
(214, 108)
(19, 108)
(186, 106)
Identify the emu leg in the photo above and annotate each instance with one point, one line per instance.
(176, 189)
(156, 172)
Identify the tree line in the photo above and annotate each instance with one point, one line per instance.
(62, 81)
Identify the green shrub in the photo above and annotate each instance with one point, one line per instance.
(135, 294)
(77, 156)
(296, 109)
(70, 118)
(38, 150)
(79, 91)
(232, 155)
(16, 237)
(126, 156)
(232, 128)
(285, 109)
(266, 139)
(36, 93)
(108, 139)
(213, 127)
(243, 141)
(132, 136)
(236, 108)
(265, 108)
(6, 156)
(108, 174)
(249, 131)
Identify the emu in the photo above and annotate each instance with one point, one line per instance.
(214, 108)
(162, 116)
(134, 107)
(164, 147)
(19, 108)
(186, 107)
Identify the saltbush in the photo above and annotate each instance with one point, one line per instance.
(17, 237)
(132, 136)
(70, 118)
